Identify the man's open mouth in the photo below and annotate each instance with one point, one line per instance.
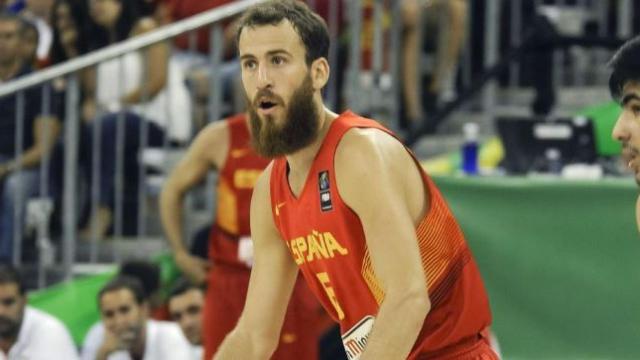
(266, 104)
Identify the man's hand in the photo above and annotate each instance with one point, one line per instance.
(5, 169)
(110, 344)
(193, 267)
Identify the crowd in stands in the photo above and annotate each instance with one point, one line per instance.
(160, 92)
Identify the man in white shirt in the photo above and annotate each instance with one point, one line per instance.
(25, 332)
(126, 332)
(186, 301)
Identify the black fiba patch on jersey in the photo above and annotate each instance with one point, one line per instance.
(324, 186)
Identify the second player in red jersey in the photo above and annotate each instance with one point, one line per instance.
(226, 146)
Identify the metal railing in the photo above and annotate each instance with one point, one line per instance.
(69, 71)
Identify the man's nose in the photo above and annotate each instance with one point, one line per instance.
(619, 132)
(264, 77)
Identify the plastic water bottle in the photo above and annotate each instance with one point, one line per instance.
(470, 148)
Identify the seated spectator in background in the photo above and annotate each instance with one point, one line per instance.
(29, 43)
(185, 308)
(144, 89)
(148, 274)
(175, 10)
(147, 7)
(19, 177)
(39, 12)
(70, 30)
(191, 52)
(126, 332)
(442, 23)
(26, 332)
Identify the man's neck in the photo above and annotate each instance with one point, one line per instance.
(9, 70)
(137, 352)
(301, 160)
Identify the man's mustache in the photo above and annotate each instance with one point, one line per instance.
(266, 94)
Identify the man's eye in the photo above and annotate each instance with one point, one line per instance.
(249, 64)
(277, 60)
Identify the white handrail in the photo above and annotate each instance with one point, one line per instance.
(136, 43)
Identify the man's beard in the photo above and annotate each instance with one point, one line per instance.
(299, 129)
(9, 328)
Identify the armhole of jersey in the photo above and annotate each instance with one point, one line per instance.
(426, 182)
(273, 184)
(227, 157)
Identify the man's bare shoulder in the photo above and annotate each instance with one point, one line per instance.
(212, 143)
(364, 148)
(214, 131)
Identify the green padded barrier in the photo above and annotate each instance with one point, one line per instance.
(560, 263)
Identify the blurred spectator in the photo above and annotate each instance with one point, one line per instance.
(191, 52)
(29, 43)
(186, 301)
(126, 332)
(442, 23)
(39, 12)
(174, 10)
(26, 332)
(39, 131)
(144, 89)
(149, 275)
(148, 7)
(70, 29)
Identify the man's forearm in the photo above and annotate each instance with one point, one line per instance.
(30, 158)
(397, 327)
(243, 345)
(171, 213)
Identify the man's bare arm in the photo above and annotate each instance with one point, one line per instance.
(273, 277)
(388, 204)
(208, 151)
(46, 130)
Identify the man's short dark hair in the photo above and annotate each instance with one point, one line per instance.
(182, 286)
(310, 26)
(146, 272)
(10, 275)
(625, 66)
(123, 282)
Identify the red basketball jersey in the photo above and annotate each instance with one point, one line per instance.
(327, 242)
(236, 180)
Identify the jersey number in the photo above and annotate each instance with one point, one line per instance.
(324, 280)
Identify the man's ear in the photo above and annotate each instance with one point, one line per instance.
(320, 72)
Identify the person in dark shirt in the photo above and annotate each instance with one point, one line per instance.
(27, 128)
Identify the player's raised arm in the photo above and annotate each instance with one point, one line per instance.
(272, 279)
